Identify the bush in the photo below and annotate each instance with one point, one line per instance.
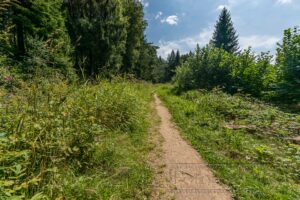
(254, 74)
(184, 80)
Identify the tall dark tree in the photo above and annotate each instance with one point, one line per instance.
(171, 66)
(18, 14)
(159, 71)
(288, 61)
(225, 36)
(148, 61)
(98, 31)
(135, 36)
(173, 61)
(177, 58)
(34, 32)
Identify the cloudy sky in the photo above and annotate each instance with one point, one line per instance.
(181, 24)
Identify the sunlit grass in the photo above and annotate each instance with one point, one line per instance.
(245, 142)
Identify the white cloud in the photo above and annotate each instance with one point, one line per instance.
(284, 1)
(145, 3)
(172, 20)
(259, 42)
(220, 7)
(165, 48)
(186, 44)
(158, 15)
(230, 4)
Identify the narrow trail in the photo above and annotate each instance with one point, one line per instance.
(183, 166)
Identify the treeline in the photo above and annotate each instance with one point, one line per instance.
(93, 38)
(222, 64)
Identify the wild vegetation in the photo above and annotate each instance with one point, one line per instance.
(221, 64)
(85, 141)
(74, 112)
(211, 67)
(89, 38)
(247, 143)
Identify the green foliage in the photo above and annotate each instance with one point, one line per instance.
(97, 38)
(135, 36)
(210, 67)
(245, 141)
(45, 44)
(98, 33)
(225, 36)
(288, 60)
(185, 79)
(159, 71)
(173, 62)
(207, 68)
(148, 63)
(254, 74)
(60, 141)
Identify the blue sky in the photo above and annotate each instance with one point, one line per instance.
(181, 24)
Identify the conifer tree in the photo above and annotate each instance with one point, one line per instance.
(98, 32)
(288, 61)
(29, 28)
(173, 62)
(135, 36)
(147, 62)
(225, 36)
(177, 60)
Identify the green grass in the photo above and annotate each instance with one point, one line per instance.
(62, 141)
(257, 162)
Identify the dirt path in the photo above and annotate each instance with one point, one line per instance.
(183, 166)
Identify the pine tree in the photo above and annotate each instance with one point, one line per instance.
(225, 36)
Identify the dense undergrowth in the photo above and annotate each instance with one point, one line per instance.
(68, 141)
(246, 142)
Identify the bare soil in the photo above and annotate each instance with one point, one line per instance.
(182, 174)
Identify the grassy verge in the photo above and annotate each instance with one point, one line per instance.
(60, 141)
(244, 141)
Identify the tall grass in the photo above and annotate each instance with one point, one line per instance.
(61, 141)
(246, 142)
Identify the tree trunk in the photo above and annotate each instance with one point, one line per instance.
(20, 39)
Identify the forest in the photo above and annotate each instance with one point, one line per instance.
(77, 79)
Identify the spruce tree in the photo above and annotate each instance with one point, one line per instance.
(147, 62)
(135, 36)
(97, 29)
(225, 36)
(288, 61)
(29, 28)
(177, 59)
(173, 62)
